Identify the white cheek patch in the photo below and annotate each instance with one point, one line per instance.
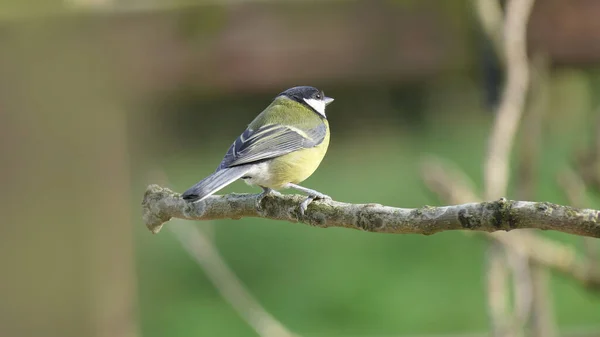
(318, 105)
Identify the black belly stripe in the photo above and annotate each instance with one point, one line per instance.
(246, 177)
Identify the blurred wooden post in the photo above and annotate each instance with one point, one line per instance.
(65, 228)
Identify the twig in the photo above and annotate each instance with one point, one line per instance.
(522, 276)
(497, 285)
(491, 17)
(513, 99)
(543, 318)
(543, 251)
(161, 204)
(551, 254)
(445, 179)
(592, 255)
(226, 282)
(531, 136)
(575, 190)
(573, 187)
(510, 110)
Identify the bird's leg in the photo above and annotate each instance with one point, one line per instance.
(312, 195)
(266, 191)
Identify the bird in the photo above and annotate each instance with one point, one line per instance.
(280, 148)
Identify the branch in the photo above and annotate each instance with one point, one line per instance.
(575, 190)
(491, 17)
(442, 177)
(513, 99)
(161, 204)
(497, 291)
(447, 180)
(573, 186)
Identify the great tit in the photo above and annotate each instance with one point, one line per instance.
(282, 147)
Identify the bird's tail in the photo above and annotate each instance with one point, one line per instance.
(214, 182)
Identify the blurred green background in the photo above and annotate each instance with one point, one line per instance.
(98, 99)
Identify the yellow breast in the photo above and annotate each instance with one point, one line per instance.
(297, 166)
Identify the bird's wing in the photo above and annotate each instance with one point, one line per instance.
(270, 141)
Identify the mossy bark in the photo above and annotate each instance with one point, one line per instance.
(161, 204)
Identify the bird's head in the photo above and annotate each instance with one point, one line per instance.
(311, 97)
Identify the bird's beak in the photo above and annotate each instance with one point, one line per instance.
(328, 100)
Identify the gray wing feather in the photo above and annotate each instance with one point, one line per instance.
(214, 183)
(270, 141)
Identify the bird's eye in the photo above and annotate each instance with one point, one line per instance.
(318, 96)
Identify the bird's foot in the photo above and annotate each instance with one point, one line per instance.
(312, 195)
(310, 199)
(266, 192)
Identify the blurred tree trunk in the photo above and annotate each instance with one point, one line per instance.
(65, 233)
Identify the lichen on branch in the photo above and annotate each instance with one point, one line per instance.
(161, 204)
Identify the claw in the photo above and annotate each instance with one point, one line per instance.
(310, 199)
(263, 194)
(324, 197)
(305, 203)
